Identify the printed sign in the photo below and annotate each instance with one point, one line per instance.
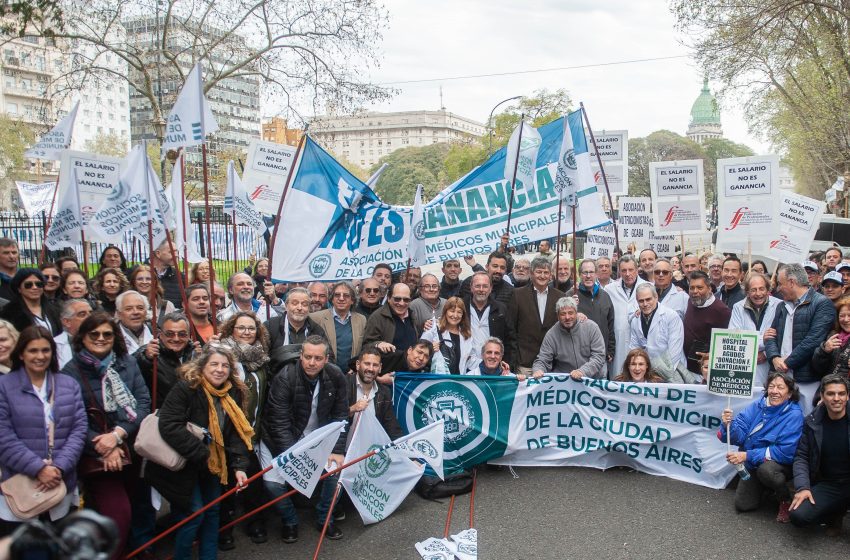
(266, 170)
(732, 362)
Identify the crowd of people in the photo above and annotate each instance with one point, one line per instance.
(84, 362)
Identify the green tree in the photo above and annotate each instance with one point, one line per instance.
(461, 159)
(108, 145)
(790, 63)
(15, 137)
(661, 145)
(409, 167)
(540, 108)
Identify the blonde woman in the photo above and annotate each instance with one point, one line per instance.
(8, 340)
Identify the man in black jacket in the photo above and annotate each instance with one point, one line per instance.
(364, 393)
(289, 331)
(822, 462)
(305, 396)
(172, 349)
(488, 316)
(497, 268)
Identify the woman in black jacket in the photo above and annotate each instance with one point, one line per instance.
(29, 305)
(210, 395)
(833, 354)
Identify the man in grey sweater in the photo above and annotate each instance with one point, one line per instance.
(571, 346)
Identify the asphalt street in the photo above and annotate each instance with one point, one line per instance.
(568, 513)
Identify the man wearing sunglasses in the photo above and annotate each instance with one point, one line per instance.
(669, 295)
(343, 329)
(370, 297)
(391, 327)
(171, 349)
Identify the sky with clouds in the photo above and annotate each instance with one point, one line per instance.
(439, 39)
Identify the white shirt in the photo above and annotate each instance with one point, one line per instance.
(63, 348)
(788, 333)
(132, 342)
(541, 302)
(480, 325)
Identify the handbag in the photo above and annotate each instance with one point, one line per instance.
(22, 494)
(90, 464)
(150, 445)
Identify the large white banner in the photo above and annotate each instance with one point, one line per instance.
(96, 176)
(747, 203)
(799, 219)
(678, 196)
(266, 168)
(36, 197)
(657, 428)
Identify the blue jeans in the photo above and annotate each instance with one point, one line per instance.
(287, 511)
(205, 526)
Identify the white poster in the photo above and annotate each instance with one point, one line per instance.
(747, 203)
(678, 195)
(36, 197)
(663, 245)
(799, 219)
(600, 242)
(266, 170)
(635, 219)
(613, 147)
(97, 175)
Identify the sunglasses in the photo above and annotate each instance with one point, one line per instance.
(97, 335)
(662, 272)
(53, 277)
(371, 290)
(400, 299)
(33, 284)
(175, 334)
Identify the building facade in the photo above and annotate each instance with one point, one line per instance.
(365, 138)
(705, 117)
(277, 130)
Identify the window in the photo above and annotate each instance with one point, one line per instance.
(12, 108)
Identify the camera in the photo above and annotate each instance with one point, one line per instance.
(83, 535)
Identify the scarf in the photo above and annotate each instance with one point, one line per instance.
(217, 462)
(251, 356)
(113, 389)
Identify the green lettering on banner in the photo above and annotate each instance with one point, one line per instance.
(456, 209)
(497, 198)
(475, 205)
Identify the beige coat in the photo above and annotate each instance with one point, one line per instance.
(325, 319)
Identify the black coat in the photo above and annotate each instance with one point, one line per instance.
(501, 326)
(289, 404)
(182, 405)
(166, 369)
(383, 403)
(17, 313)
(807, 466)
(281, 355)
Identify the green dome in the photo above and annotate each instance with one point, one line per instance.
(704, 109)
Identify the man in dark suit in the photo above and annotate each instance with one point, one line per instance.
(533, 312)
(489, 317)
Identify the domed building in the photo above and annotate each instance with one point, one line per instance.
(705, 117)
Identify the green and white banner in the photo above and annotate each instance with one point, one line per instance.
(661, 429)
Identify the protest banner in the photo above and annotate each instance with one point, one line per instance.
(600, 242)
(301, 465)
(521, 161)
(266, 169)
(661, 429)
(345, 229)
(747, 204)
(732, 362)
(191, 118)
(239, 205)
(66, 227)
(97, 176)
(663, 245)
(56, 140)
(799, 219)
(678, 196)
(613, 146)
(635, 219)
(36, 197)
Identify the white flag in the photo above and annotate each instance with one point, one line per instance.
(566, 175)
(37, 197)
(466, 544)
(67, 224)
(302, 464)
(184, 234)
(433, 548)
(246, 213)
(416, 240)
(528, 139)
(426, 443)
(379, 484)
(50, 145)
(191, 118)
(136, 198)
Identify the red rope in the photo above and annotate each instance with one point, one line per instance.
(449, 517)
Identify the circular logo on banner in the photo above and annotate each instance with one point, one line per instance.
(569, 159)
(377, 464)
(458, 406)
(419, 230)
(424, 447)
(319, 265)
(119, 191)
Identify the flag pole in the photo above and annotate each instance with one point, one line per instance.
(327, 520)
(154, 275)
(50, 219)
(449, 517)
(233, 217)
(604, 177)
(183, 205)
(558, 239)
(513, 178)
(289, 176)
(573, 249)
(209, 230)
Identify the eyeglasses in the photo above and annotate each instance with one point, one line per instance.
(97, 335)
(175, 334)
(587, 272)
(662, 272)
(243, 328)
(33, 284)
(400, 299)
(371, 290)
(342, 295)
(429, 287)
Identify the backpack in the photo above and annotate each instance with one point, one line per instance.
(432, 488)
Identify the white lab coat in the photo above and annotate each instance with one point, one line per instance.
(677, 300)
(624, 307)
(741, 320)
(666, 335)
(469, 354)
